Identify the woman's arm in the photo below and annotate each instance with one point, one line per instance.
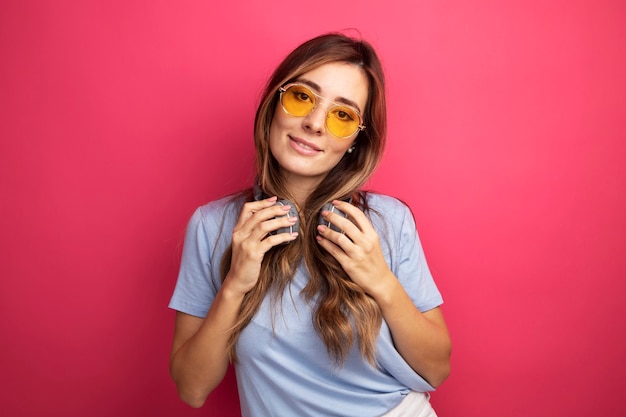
(199, 357)
(422, 339)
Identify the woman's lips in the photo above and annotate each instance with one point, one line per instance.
(303, 147)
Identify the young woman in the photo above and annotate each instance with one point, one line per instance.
(317, 291)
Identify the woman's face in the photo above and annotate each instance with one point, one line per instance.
(304, 148)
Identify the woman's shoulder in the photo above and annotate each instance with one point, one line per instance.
(386, 204)
(223, 206)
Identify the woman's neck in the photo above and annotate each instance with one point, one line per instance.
(301, 188)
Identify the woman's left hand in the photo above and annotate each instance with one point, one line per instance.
(358, 249)
(421, 338)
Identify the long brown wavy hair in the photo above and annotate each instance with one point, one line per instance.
(344, 314)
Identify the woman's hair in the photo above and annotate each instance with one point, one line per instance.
(343, 312)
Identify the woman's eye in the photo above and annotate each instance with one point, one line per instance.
(302, 96)
(343, 115)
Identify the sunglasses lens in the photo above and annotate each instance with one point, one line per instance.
(298, 100)
(342, 121)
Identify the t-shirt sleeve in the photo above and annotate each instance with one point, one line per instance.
(409, 262)
(196, 286)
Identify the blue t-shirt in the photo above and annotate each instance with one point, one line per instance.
(283, 368)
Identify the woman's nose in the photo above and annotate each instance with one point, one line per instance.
(316, 120)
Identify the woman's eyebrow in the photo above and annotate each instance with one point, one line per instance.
(318, 90)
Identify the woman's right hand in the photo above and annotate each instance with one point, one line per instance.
(200, 348)
(252, 240)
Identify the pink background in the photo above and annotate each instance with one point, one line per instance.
(507, 138)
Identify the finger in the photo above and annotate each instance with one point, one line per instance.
(356, 214)
(252, 218)
(359, 227)
(272, 225)
(278, 239)
(339, 240)
(336, 220)
(331, 247)
(249, 225)
(251, 207)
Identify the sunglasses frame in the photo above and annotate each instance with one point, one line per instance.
(285, 87)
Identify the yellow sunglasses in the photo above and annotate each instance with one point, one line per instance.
(342, 120)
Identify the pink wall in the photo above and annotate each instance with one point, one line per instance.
(507, 138)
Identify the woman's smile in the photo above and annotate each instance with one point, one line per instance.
(304, 147)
